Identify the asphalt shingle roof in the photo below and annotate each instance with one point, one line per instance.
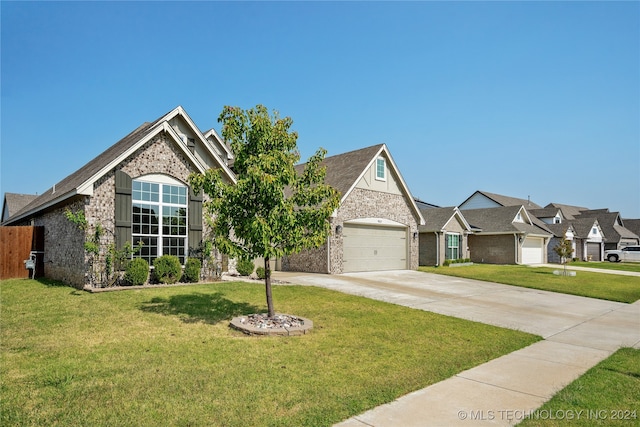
(500, 220)
(77, 178)
(344, 169)
(509, 201)
(436, 218)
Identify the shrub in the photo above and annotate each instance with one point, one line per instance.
(446, 263)
(260, 272)
(167, 269)
(137, 272)
(245, 267)
(192, 270)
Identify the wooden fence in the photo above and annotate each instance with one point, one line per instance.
(16, 244)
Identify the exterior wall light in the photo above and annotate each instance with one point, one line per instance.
(338, 229)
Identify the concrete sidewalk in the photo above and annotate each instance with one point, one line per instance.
(579, 332)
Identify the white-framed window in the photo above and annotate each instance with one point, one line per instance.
(594, 230)
(452, 251)
(159, 218)
(381, 169)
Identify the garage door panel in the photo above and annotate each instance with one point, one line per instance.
(371, 248)
(593, 249)
(532, 250)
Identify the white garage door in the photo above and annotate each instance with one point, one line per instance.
(532, 250)
(372, 248)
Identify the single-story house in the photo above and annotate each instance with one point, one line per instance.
(376, 225)
(506, 235)
(14, 202)
(586, 237)
(585, 234)
(137, 190)
(444, 236)
(616, 235)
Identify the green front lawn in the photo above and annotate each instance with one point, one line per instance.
(622, 266)
(607, 394)
(594, 285)
(166, 356)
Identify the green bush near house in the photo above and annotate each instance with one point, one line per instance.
(137, 272)
(245, 267)
(192, 270)
(167, 269)
(260, 272)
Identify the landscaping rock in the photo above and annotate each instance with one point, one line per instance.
(280, 324)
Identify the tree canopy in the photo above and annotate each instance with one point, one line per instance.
(272, 210)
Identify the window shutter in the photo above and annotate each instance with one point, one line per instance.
(195, 219)
(123, 209)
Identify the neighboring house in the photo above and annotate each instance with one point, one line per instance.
(137, 190)
(585, 235)
(616, 235)
(507, 235)
(14, 202)
(444, 236)
(376, 225)
(549, 215)
(483, 199)
(632, 225)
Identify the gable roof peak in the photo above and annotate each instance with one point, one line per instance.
(82, 180)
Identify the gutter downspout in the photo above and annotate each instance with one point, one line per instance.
(329, 253)
(437, 248)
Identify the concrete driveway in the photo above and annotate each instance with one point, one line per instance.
(578, 333)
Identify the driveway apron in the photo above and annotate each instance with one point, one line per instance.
(578, 333)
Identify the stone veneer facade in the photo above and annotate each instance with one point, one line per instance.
(65, 258)
(361, 203)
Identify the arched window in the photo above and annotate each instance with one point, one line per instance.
(160, 215)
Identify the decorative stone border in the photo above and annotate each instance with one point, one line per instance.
(300, 326)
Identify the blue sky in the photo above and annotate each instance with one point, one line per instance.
(525, 99)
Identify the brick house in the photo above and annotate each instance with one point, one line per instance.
(376, 224)
(137, 190)
(444, 236)
(507, 235)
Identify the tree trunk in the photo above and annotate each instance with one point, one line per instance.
(267, 285)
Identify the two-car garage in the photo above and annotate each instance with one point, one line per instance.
(368, 247)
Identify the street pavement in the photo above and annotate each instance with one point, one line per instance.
(578, 333)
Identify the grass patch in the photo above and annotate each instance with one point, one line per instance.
(607, 394)
(594, 285)
(166, 356)
(620, 266)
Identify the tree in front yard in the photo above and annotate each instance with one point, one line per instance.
(272, 211)
(564, 249)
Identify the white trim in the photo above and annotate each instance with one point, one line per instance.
(403, 184)
(157, 178)
(163, 125)
(375, 221)
(221, 142)
(456, 212)
(384, 169)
